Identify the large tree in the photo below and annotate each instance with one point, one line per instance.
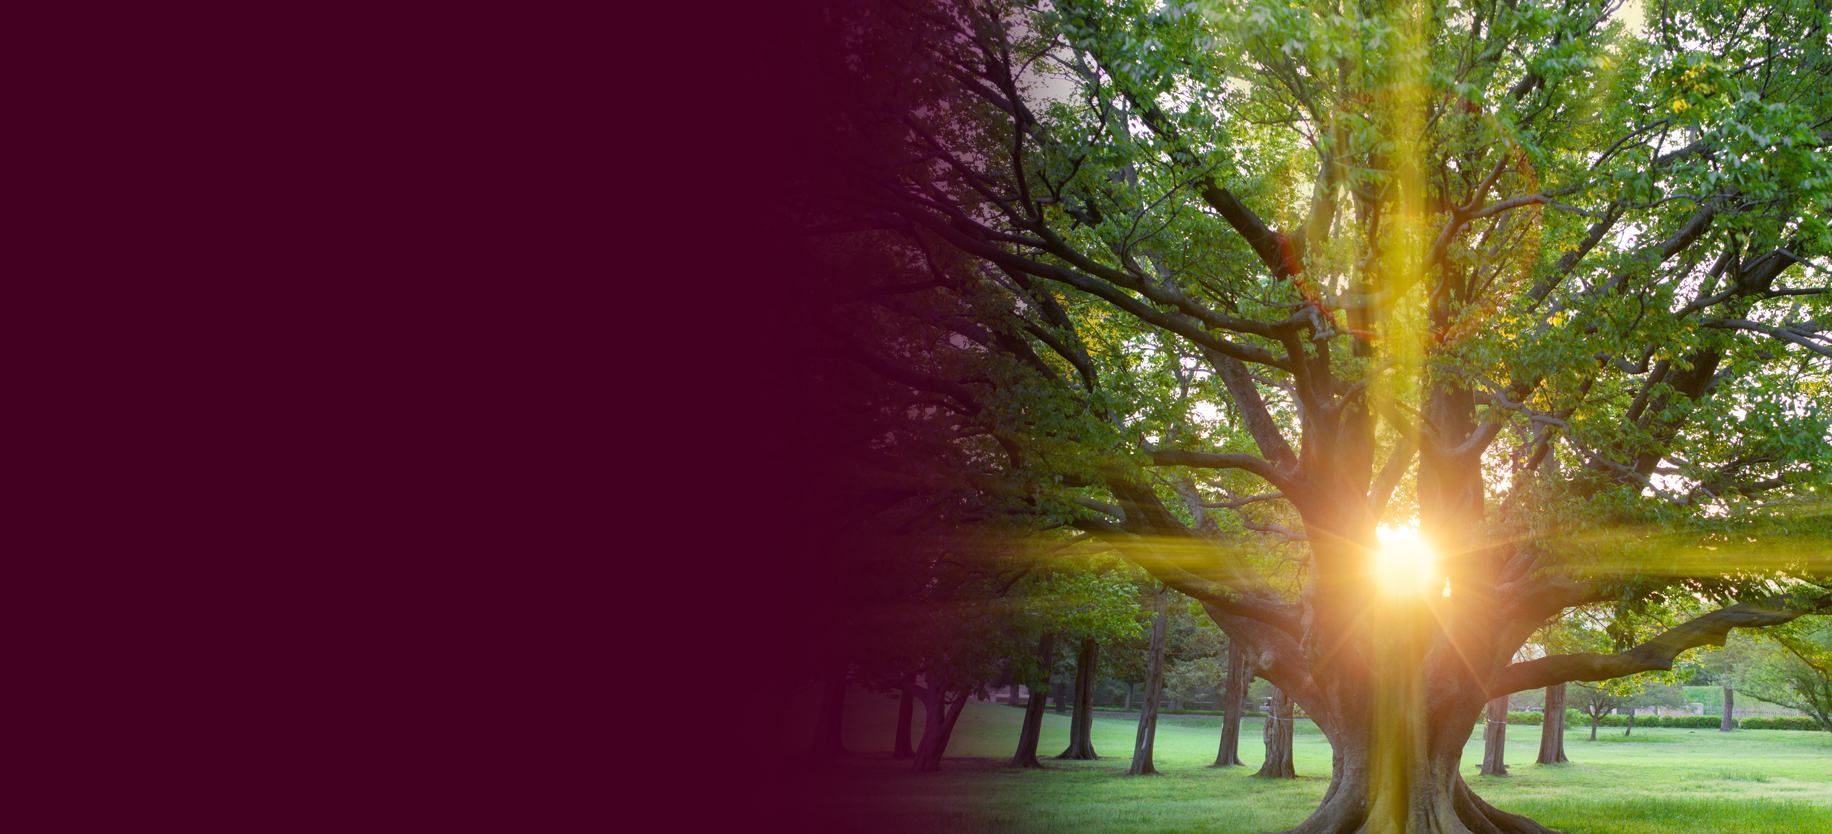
(1545, 282)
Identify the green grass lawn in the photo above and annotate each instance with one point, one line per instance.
(1657, 781)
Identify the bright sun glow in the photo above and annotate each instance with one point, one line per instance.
(1406, 563)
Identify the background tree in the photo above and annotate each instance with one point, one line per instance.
(1795, 671)
(1032, 726)
(1722, 665)
(1154, 685)
(1552, 727)
(1277, 734)
(1081, 726)
(1104, 608)
(1597, 700)
(1494, 738)
(1233, 703)
(900, 736)
(1076, 596)
(1210, 664)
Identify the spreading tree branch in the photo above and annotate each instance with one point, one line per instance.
(1657, 654)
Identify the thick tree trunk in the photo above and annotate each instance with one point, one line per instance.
(1059, 694)
(1154, 686)
(1397, 701)
(1233, 694)
(1552, 729)
(1033, 710)
(1415, 789)
(1277, 735)
(906, 706)
(1081, 727)
(1395, 675)
(1728, 722)
(827, 724)
(938, 725)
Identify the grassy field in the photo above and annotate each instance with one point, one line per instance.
(1657, 781)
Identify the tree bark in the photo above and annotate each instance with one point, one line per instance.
(1495, 738)
(1059, 693)
(1278, 764)
(1129, 695)
(1631, 722)
(1728, 722)
(1081, 727)
(906, 707)
(1593, 725)
(1154, 685)
(940, 714)
(1552, 728)
(1233, 694)
(827, 744)
(1033, 709)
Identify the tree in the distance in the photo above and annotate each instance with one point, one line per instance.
(1073, 599)
(1233, 704)
(1277, 734)
(1145, 739)
(1030, 729)
(1795, 671)
(1552, 727)
(1596, 701)
(1211, 663)
(1494, 738)
(900, 736)
(1081, 724)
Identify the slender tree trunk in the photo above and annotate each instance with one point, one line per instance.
(1728, 722)
(1154, 685)
(1631, 722)
(1278, 764)
(1129, 695)
(1059, 693)
(906, 707)
(1593, 725)
(938, 725)
(1495, 738)
(1081, 727)
(1233, 693)
(1552, 729)
(827, 725)
(1033, 709)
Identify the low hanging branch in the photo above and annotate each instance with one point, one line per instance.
(1231, 592)
(1656, 654)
